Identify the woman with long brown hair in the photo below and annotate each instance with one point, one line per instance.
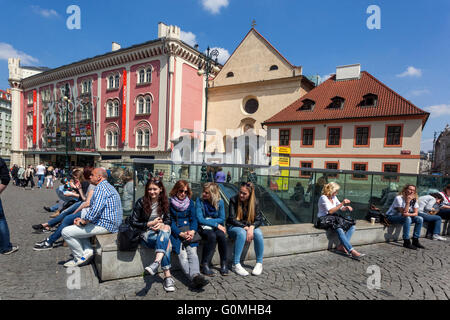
(243, 224)
(405, 210)
(184, 227)
(151, 216)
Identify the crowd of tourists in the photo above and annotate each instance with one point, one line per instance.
(173, 222)
(46, 175)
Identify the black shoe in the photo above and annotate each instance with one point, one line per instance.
(47, 209)
(43, 246)
(407, 244)
(224, 269)
(207, 271)
(416, 243)
(38, 227)
(199, 281)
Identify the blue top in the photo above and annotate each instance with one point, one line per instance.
(218, 217)
(220, 176)
(106, 208)
(180, 219)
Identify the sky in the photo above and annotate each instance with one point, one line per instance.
(404, 44)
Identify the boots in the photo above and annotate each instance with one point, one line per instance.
(223, 268)
(206, 270)
(416, 243)
(407, 244)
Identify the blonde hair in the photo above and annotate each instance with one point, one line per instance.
(251, 203)
(213, 190)
(403, 192)
(330, 188)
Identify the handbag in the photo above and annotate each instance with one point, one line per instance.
(128, 238)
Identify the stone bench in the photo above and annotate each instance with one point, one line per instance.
(278, 241)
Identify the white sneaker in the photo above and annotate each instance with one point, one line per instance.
(438, 237)
(257, 270)
(240, 270)
(70, 264)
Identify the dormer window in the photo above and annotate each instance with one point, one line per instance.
(230, 74)
(370, 100)
(308, 104)
(336, 103)
(273, 67)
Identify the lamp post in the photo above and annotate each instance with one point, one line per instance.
(66, 111)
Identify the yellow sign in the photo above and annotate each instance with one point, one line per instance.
(280, 161)
(284, 150)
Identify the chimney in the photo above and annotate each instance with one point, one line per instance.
(349, 72)
(115, 46)
(171, 32)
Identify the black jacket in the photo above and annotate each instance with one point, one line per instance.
(232, 214)
(4, 173)
(139, 219)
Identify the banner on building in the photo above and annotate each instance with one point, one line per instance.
(34, 117)
(124, 105)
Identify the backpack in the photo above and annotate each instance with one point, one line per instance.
(379, 216)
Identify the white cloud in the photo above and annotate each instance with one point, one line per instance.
(223, 55)
(438, 110)
(46, 13)
(426, 145)
(214, 6)
(8, 51)
(419, 92)
(324, 77)
(411, 72)
(189, 38)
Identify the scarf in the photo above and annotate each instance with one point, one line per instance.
(180, 205)
(210, 210)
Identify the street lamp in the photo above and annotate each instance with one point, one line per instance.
(66, 110)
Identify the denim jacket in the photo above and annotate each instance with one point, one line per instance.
(212, 221)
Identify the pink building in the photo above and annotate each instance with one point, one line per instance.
(128, 103)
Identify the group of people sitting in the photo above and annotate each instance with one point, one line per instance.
(407, 208)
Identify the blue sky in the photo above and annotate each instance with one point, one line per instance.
(410, 53)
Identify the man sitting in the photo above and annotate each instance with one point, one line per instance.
(104, 216)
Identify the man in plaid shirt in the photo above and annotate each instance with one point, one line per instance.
(104, 216)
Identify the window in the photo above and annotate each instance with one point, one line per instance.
(307, 105)
(117, 81)
(273, 67)
(285, 137)
(148, 105)
(391, 167)
(230, 74)
(251, 106)
(332, 166)
(30, 98)
(110, 82)
(334, 137)
(148, 75)
(307, 137)
(29, 119)
(140, 105)
(86, 86)
(336, 103)
(112, 138)
(369, 100)
(305, 164)
(141, 76)
(143, 138)
(113, 81)
(362, 136)
(144, 75)
(393, 135)
(359, 167)
(112, 109)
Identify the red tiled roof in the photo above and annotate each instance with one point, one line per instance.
(389, 103)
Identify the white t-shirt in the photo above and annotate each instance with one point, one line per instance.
(399, 202)
(325, 205)
(446, 200)
(40, 169)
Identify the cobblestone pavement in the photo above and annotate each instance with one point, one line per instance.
(405, 274)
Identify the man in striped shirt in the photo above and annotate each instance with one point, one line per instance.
(104, 216)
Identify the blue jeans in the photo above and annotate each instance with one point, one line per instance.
(67, 221)
(406, 222)
(60, 193)
(345, 237)
(160, 242)
(62, 215)
(432, 218)
(5, 245)
(40, 180)
(239, 235)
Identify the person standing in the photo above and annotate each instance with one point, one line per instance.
(220, 176)
(50, 175)
(29, 176)
(40, 172)
(5, 245)
(228, 177)
(104, 216)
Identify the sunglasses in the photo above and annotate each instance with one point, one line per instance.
(183, 191)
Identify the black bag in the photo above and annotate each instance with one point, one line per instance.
(379, 216)
(334, 221)
(196, 239)
(128, 238)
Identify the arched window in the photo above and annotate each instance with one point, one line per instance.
(117, 78)
(116, 108)
(230, 74)
(111, 138)
(148, 104)
(140, 105)
(251, 106)
(141, 76)
(273, 67)
(110, 82)
(148, 77)
(146, 137)
(139, 137)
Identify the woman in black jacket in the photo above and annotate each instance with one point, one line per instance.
(151, 216)
(243, 224)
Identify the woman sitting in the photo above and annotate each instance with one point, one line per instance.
(211, 220)
(405, 210)
(444, 210)
(184, 226)
(428, 210)
(330, 205)
(151, 216)
(243, 224)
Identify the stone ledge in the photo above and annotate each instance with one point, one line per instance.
(278, 241)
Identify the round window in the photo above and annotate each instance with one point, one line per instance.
(251, 106)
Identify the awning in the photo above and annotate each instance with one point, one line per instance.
(73, 153)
